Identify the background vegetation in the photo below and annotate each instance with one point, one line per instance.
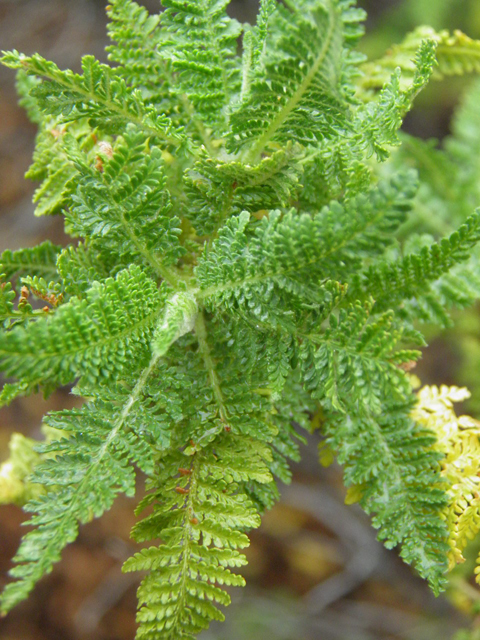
(316, 570)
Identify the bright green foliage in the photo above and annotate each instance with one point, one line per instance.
(37, 261)
(7, 296)
(290, 254)
(94, 338)
(383, 452)
(125, 204)
(255, 40)
(54, 167)
(456, 54)
(217, 189)
(296, 90)
(449, 191)
(99, 94)
(82, 478)
(201, 504)
(135, 37)
(410, 276)
(238, 265)
(341, 165)
(50, 164)
(200, 41)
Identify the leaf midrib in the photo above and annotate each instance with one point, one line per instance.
(294, 100)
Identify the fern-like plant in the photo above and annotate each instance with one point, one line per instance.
(237, 264)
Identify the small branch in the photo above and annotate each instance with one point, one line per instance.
(366, 552)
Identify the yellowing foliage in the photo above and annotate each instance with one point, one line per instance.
(458, 438)
(14, 472)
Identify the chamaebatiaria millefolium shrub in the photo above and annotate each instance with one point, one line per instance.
(241, 261)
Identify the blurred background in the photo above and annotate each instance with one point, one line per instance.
(316, 571)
